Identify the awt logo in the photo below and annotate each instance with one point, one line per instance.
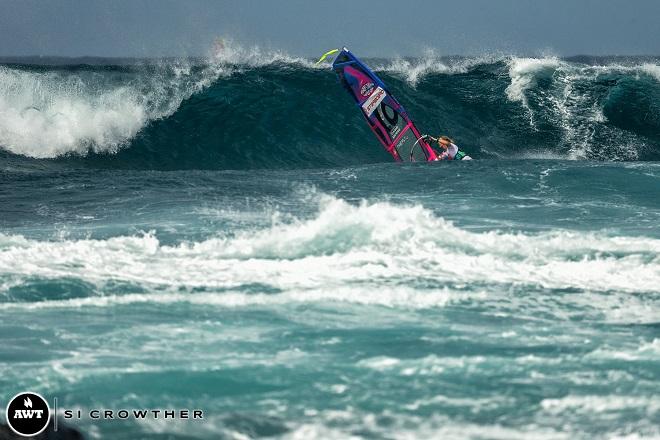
(28, 414)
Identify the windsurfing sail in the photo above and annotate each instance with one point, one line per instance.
(386, 117)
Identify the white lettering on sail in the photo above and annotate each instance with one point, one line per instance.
(374, 101)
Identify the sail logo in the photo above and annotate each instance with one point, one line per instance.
(367, 89)
(374, 101)
(27, 414)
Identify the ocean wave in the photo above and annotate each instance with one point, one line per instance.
(417, 69)
(651, 69)
(386, 249)
(227, 51)
(49, 114)
(410, 427)
(577, 99)
(590, 404)
(247, 107)
(524, 73)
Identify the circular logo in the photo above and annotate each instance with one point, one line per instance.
(28, 414)
(367, 89)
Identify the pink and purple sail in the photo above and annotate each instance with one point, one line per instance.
(387, 118)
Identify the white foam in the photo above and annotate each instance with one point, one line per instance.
(228, 51)
(648, 351)
(380, 363)
(600, 404)
(523, 71)
(651, 69)
(317, 431)
(45, 115)
(414, 70)
(382, 247)
(576, 110)
(411, 427)
(475, 404)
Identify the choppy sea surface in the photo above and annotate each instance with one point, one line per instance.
(226, 234)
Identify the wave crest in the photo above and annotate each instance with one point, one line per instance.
(423, 259)
(246, 107)
(45, 115)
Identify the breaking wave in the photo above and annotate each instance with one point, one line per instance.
(248, 108)
(324, 258)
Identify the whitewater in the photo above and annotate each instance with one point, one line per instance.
(225, 233)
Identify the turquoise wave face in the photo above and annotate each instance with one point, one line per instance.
(285, 113)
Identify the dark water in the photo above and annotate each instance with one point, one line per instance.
(228, 235)
(265, 111)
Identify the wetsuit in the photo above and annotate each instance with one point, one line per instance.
(453, 153)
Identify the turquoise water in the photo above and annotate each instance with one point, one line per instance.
(298, 297)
